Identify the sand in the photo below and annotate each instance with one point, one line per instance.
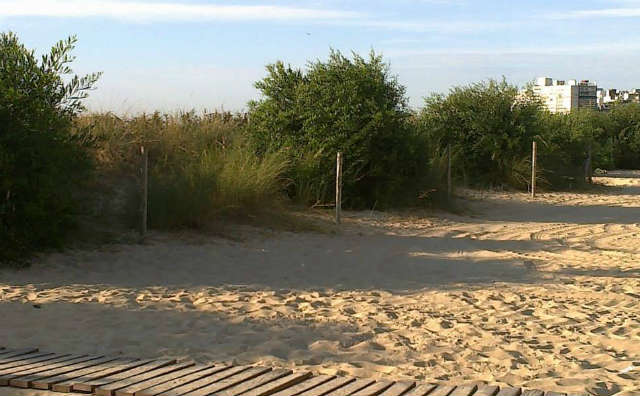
(540, 293)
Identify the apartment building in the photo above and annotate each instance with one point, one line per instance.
(561, 96)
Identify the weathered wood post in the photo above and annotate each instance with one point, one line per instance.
(449, 185)
(338, 187)
(588, 170)
(145, 191)
(533, 169)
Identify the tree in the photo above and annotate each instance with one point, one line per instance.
(490, 127)
(353, 105)
(41, 162)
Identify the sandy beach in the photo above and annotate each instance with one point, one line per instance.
(541, 293)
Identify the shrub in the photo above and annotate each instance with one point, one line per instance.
(490, 129)
(353, 105)
(42, 163)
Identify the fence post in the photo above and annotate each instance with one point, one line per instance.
(533, 169)
(588, 169)
(449, 185)
(338, 187)
(145, 191)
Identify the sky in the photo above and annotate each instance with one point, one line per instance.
(173, 55)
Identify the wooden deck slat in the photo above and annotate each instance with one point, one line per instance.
(132, 390)
(158, 389)
(26, 359)
(305, 386)
(91, 385)
(328, 387)
(465, 390)
(15, 372)
(24, 381)
(353, 387)
(532, 392)
(80, 382)
(399, 388)
(64, 382)
(39, 380)
(65, 373)
(111, 388)
(487, 390)
(277, 385)
(7, 360)
(230, 381)
(254, 383)
(32, 363)
(442, 390)
(510, 391)
(374, 389)
(192, 386)
(16, 352)
(421, 390)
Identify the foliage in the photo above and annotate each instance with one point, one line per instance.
(42, 163)
(200, 166)
(353, 105)
(489, 128)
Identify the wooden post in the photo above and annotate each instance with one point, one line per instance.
(338, 187)
(449, 185)
(145, 191)
(533, 170)
(588, 169)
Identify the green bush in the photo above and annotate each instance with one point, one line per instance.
(353, 105)
(42, 164)
(489, 128)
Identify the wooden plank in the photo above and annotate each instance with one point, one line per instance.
(399, 388)
(7, 360)
(23, 380)
(465, 390)
(305, 386)
(510, 391)
(14, 372)
(90, 386)
(352, 387)
(487, 390)
(111, 388)
(555, 394)
(192, 386)
(64, 382)
(27, 359)
(375, 389)
(84, 383)
(157, 389)
(132, 390)
(46, 379)
(31, 363)
(442, 390)
(328, 387)
(16, 352)
(29, 380)
(254, 383)
(279, 384)
(421, 390)
(230, 381)
(532, 392)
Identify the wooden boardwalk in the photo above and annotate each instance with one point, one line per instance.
(119, 376)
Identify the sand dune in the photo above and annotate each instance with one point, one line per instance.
(541, 293)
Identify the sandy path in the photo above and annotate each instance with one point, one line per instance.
(541, 293)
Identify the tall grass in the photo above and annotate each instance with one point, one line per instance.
(200, 166)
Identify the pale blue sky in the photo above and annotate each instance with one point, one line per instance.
(182, 54)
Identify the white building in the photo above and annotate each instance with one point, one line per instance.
(561, 96)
